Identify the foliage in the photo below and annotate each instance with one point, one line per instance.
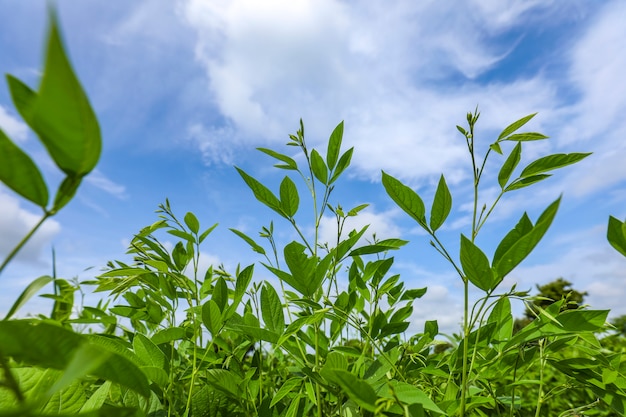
(327, 335)
(556, 290)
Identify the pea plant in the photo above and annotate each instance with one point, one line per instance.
(315, 327)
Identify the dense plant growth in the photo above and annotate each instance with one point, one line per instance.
(327, 335)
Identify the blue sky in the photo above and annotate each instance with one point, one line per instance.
(184, 90)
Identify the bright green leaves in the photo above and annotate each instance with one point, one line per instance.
(409, 201)
(513, 127)
(61, 116)
(286, 206)
(272, 309)
(212, 317)
(357, 389)
(306, 272)
(20, 173)
(405, 198)
(320, 170)
(334, 145)
(550, 162)
(64, 121)
(476, 265)
(289, 199)
(616, 234)
(261, 192)
(442, 204)
(509, 165)
(287, 162)
(520, 241)
(55, 347)
(60, 113)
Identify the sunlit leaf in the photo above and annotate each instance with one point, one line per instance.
(510, 164)
(515, 126)
(334, 145)
(476, 265)
(526, 243)
(319, 167)
(526, 137)
(272, 309)
(262, 193)
(616, 234)
(19, 173)
(442, 204)
(289, 163)
(192, 222)
(289, 199)
(344, 162)
(550, 162)
(405, 198)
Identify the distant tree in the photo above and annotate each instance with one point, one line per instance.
(559, 289)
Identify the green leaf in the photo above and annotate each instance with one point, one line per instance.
(207, 232)
(290, 164)
(23, 97)
(523, 226)
(262, 193)
(525, 137)
(501, 315)
(409, 394)
(212, 317)
(616, 234)
(192, 222)
(344, 162)
(272, 309)
(525, 182)
(496, 148)
(19, 173)
(550, 162)
(476, 265)
(28, 292)
(149, 352)
(357, 389)
(289, 199)
(442, 204)
(66, 192)
(319, 167)
(381, 246)
(60, 113)
(255, 246)
(288, 387)
(220, 293)
(515, 126)
(510, 164)
(256, 333)
(413, 294)
(48, 345)
(519, 250)
(168, 335)
(405, 198)
(334, 145)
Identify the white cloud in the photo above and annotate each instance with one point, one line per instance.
(99, 180)
(16, 222)
(270, 64)
(12, 127)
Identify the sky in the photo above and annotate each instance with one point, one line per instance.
(187, 89)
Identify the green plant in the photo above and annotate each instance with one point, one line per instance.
(331, 338)
(43, 365)
(487, 342)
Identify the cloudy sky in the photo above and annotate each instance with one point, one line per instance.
(187, 89)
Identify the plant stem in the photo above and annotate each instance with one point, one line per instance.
(24, 240)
